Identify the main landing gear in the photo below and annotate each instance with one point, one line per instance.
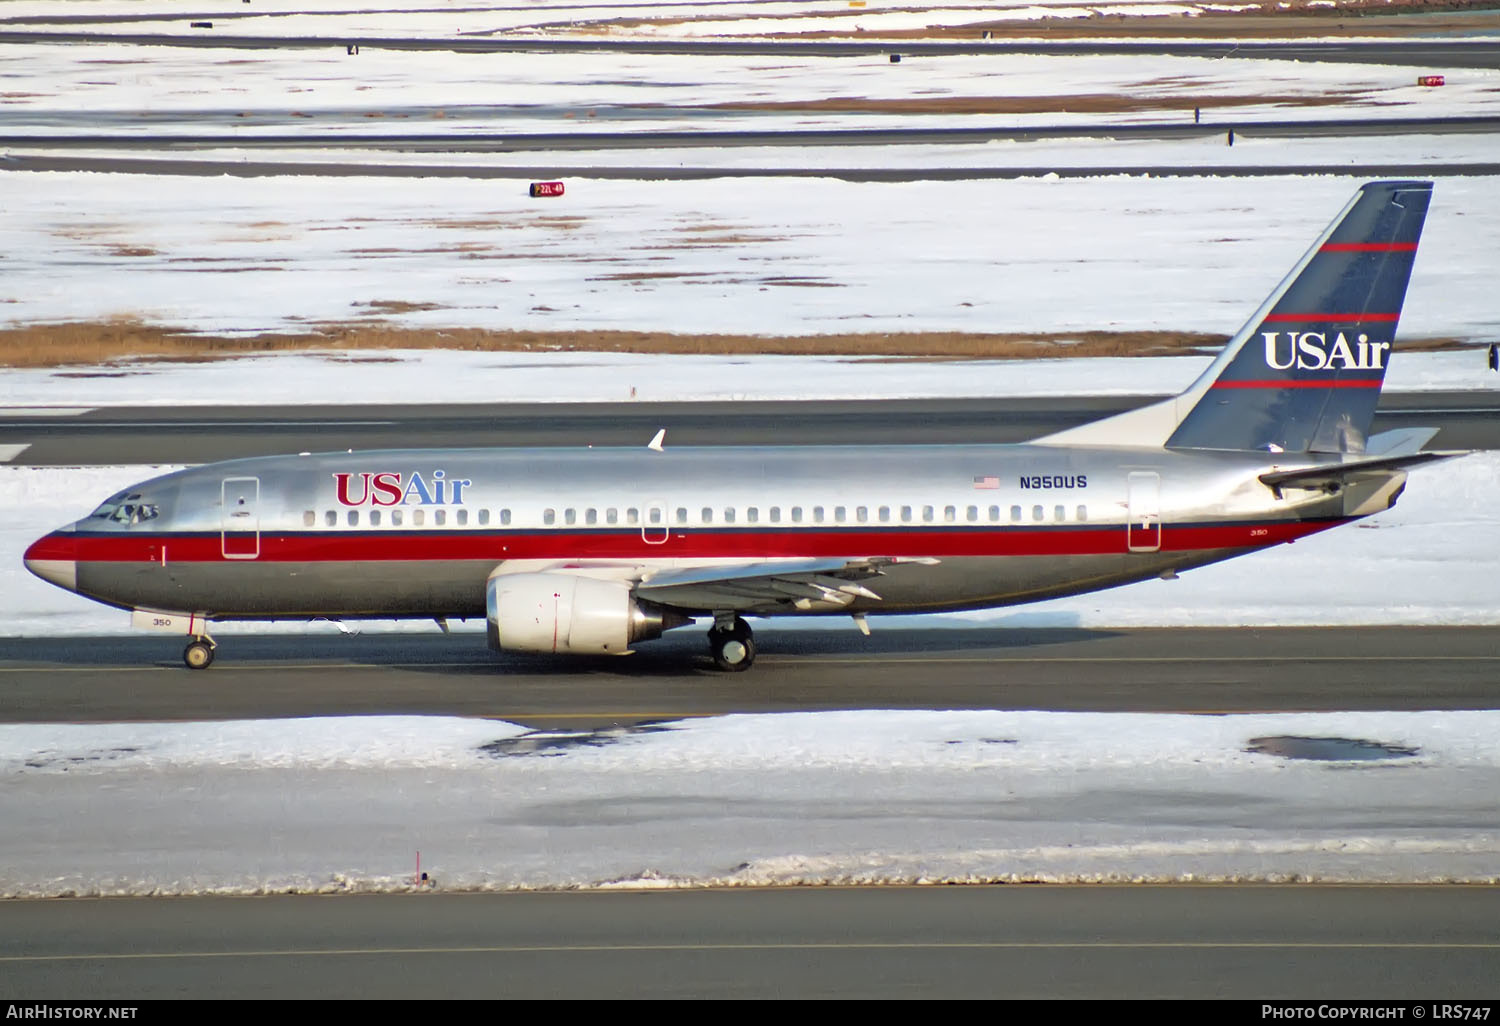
(732, 644)
(199, 655)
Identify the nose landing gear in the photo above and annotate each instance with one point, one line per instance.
(732, 644)
(199, 654)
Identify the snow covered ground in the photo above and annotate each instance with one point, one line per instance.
(775, 257)
(57, 89)
(710, 18)
(852, 797)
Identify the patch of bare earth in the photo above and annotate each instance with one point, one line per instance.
(103, 343)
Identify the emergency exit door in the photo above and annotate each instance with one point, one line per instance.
(239, 517)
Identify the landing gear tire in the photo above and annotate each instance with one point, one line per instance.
(199, 655)
(733, 648)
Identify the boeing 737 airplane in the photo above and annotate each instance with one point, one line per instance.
(596, 550)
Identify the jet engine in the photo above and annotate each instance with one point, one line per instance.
(566, 613)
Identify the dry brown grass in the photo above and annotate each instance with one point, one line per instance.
(103, 343)
(1103, 103)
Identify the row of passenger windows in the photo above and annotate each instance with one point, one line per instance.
(657, 516)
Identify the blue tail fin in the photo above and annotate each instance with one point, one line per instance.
(1304, 374)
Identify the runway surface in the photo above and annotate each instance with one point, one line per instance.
(1452, 53)
(500, 141)
(678, 173)
(1261, 943)
(141, 678)
(201, 434)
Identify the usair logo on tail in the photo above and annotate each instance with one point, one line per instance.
(1311, 350)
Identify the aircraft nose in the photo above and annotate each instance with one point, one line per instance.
(54, 559)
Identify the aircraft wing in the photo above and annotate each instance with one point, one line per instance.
(771, 586)
(1333, 474)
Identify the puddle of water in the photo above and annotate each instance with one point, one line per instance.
(552, 743)
(1329, 749)
(46, 760)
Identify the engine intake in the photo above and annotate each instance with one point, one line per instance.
(567, 613)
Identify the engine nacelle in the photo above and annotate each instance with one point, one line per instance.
(567, 613)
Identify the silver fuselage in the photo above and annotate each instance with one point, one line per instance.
(416, 533)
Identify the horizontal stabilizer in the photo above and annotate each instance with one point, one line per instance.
(1334, 475)
(1401, 442)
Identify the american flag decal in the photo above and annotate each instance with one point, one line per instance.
(986, 482)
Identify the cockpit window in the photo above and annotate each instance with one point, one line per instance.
(126, 509)
(134, 513)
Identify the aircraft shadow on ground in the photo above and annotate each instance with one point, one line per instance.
(682, 653)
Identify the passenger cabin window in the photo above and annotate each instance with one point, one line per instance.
(1037, 513)
(632, 516)
(549, 516)
(1059, 513)
(1015, 514)
(505, 516)
(906, 514)
(775, 514)
(484, 518)
(354, 518)
(927, 514)
(611, 516)
(950, 515)
(591, 516)
(728, 514)
(682, 514)
(796, 514)
(570, 516)
(708, 515)
(752, 515)
(862, 514)
(994, 514)
(439, 517)
(331, 518)
(1083, 512)
(885, 514)
(374, 518)
(463, 518)
(395, 518)
(654, 514)
(309, 518)
(817, 514)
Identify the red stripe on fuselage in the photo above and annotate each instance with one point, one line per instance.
(355, 546)
(1302, 383)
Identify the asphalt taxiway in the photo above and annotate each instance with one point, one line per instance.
(1261, 943)
(1428, 52)
(199, 434)
(829, 666)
